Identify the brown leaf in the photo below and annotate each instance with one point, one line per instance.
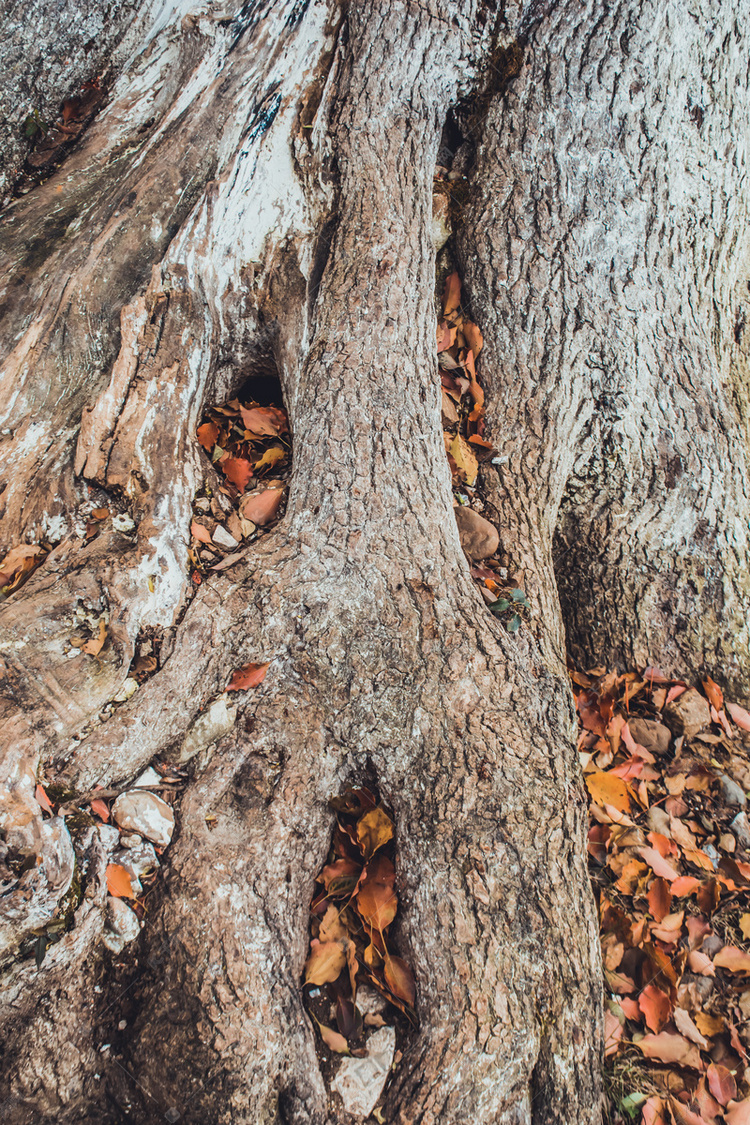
(100, 809)
(612, 1033)
(238, 471)
(606, 789)
(738, 1113)
(398, 977)
(18, 563)
(451, 295)
(682, 1115)
(473, 337)
(264, 421)
(721, 1083)
(95, 645)
(208, 435)
(100, 513)
(325, 962)
(199, 532)
(249, 675)
(714, 693)
(659, 898)
(656, 1007)
(374, 829)
(331, 928)
(685, 885)
(701, 964)
(376, 899)
(708, 1024)
(732, 959)
(669, 1048)
(340, 877)
(118, 881)
(261, 507)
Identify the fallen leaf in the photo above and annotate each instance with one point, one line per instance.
(261, 507)
(682, 1115)
(271, 457)
(669, 1048)
(341, 876)
(100, 809)
(374, 829)
(612, 1033)
(686, 1027)
(376, 899)
(714, 693)
(652, 1112)
(264, 421)
(399, 979)
(95, 645)
(721, 1083)
(238, 471)
(738, 1113)
(606, 789)
(656, 1007)
(249, 675)
(701, 964)
(709, 1025)
(325, 962)
(685, 885)
(199, 532)
(451, 295)
(739, 715)
(331, 928)
(333, 1039)
(466, 463)
(659, 898)
(732, 959)
(118, 881)
(208, 435)
(43, 800)
(658, 864)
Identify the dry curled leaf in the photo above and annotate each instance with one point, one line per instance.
(98, 806)
(43, 800)
(95, 645)
(325, 963)
(399, 979)
(374, 829)
(199, 532)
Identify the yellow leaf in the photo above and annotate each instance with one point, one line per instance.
(374, 829)
(466, 462)
(606, 789)
(745, 926)
(325, 962)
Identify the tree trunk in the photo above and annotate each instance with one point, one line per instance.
(255, 196)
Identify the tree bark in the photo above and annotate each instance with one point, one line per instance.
(256, 195)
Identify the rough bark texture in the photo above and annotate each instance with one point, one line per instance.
(257, 193)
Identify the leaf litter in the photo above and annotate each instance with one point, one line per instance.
(666, 770)
(351, 951)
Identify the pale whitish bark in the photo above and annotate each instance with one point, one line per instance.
(199, 232)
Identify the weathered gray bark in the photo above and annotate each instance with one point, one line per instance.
(258, 190)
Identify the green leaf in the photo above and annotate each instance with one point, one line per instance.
(514, 624)
(519, 597)
(632, 1104)
(499, 606)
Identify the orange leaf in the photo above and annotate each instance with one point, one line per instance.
(95, 645)
(399, 979)
(738, 1113)
(199, 532)
(261, 507)
(325, 962)
(43, 800)
(451, 294)
(652, 1112)
(238, 471)
(656, 1007)
(669, 1048)
(739, 715)
(473, 337)
(376, 899)
(98, 806)
(714, 693)
(333, 1039)
(732, 959)
(208, 435)
(100, 513)
(374, 829)
(118, 881)
(249, 675)
(685, 885)
(605, 789)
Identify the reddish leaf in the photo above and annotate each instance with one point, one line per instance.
(685, 885)
(98, 806)
(721, 1083)
(249, 675)
(208, 435)
(238, 471)
(659, 899)
(658, 864)
(682, 1115)
(198, 531)
(261, 507)
(652, 1112)
(739, 715)
(399, 979)
(656, 1007)
(340, 877)
(325, 962)
(738, 1113)
(43, 800)
(714, 693)
(118, 881)
(612, 1033)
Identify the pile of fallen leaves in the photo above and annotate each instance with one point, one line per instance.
(248, 445)
(666, 768)
(351, 915)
